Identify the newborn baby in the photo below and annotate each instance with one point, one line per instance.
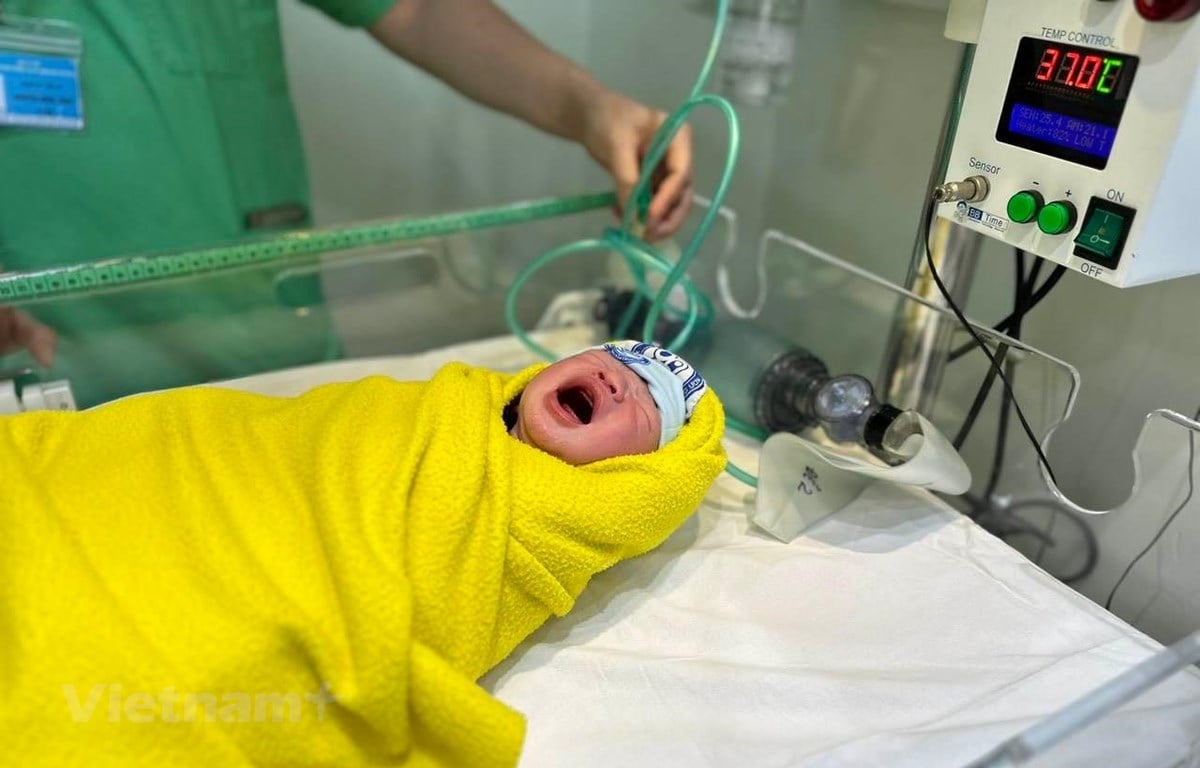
(623, 398)
(208, 577)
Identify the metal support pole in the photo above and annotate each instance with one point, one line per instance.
(916, 352)
(916, 356)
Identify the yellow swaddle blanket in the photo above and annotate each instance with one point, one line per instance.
(213, 578)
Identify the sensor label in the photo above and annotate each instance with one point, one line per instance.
(980, 165)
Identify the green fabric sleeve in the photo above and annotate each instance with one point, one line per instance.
(353, 13)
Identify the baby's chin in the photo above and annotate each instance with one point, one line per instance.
(550, 439)
(526, 435)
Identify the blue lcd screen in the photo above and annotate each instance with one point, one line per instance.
(1062, 130)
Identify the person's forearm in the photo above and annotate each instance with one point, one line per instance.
(478, 50)
(474, 47)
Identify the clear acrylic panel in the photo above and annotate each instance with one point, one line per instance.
(406, 293)
(225, 310)
(410, 285)
(848, 317)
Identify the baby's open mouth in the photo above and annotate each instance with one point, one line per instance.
(577, 401)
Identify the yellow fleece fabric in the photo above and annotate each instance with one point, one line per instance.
(211, 578)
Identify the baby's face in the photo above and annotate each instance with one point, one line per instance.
(586, 408)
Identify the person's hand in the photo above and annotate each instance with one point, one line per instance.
(477, 49)
(18, 330)
(617, 132)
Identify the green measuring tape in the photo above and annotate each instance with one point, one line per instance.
(123, 272)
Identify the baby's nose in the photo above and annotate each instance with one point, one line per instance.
(615, 388)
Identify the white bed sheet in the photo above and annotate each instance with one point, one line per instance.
(895, 633)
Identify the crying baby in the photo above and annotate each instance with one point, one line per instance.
(623, 398)
(373, 546)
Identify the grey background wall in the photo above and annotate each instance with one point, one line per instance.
(843, 164)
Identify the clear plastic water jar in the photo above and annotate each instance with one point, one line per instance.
(755, 65)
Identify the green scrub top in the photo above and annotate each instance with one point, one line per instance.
(190, 140)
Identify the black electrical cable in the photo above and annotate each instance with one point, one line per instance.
(981, 397)
(1022, 293)
(1001, 435)
(1020, 281)
(1170, 518)
(1047, 539)
(1003, 521)
(1091, 546)
(1022, 289)
(1034, 272)
(925, 230)
(1022, 305)
(1006, 323)
(1004, 524)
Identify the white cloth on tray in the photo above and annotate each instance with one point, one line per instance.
(896, 633)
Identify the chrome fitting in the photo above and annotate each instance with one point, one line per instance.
(971, 189)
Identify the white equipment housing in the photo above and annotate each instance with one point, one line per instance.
(1093, 112)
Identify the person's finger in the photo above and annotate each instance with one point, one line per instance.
(675, 217)
(675, 172)
(625, 171)
(667, 198)
(38, 338)
(679, 154)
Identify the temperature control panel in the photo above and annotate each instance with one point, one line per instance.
(1084, 117)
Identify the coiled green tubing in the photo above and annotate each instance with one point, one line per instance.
(640, 255)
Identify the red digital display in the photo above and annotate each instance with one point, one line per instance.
(1066, 101)
(1080, 70)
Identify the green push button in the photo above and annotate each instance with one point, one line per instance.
(1056, 218)
(1102, 233)
(1024, 206)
